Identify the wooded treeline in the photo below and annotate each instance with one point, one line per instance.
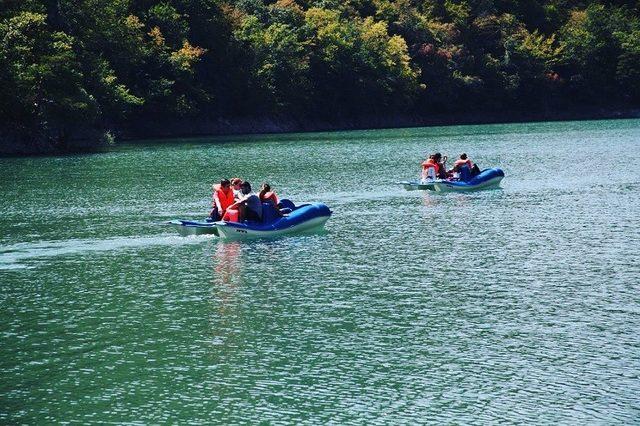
(88, 69)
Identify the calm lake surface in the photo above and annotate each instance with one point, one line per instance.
(514, 305)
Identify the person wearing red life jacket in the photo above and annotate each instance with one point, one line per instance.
(442, 165)
(430, 168)
(266, 195)
(223, 197)
(462, 161)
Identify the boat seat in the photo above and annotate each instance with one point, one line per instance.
(269, 213)
(465, 173)
(286, 204)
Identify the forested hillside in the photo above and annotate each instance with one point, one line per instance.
(90, 69)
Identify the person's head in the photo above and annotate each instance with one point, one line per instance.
(437, 156)
(245, 187)
(265, 187)
(225, 184)
(236, 182)
(463, 156)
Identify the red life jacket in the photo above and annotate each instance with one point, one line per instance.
(461, 162)
(226, 198)
(431, 163)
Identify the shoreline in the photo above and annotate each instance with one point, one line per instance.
(188, 128)
(283, 125)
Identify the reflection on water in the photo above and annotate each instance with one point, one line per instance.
(430, 199)
(227, 276)
(228, 263)
(226, 284)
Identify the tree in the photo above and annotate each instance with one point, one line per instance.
(42, 83)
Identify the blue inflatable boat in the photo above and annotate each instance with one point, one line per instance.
(305, 217)
(487, 179)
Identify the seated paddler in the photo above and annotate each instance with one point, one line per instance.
(430, 169)
(267, 195)
(249, 205)
(235, 185)
(464, 160)
(222, 199)
(465, 168)
(442, 165)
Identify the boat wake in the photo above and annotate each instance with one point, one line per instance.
(19, 255)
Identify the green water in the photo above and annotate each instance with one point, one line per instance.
(514, 305)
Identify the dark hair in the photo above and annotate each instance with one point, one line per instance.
(463, 156)
(266, 187)
(225, 182)
(246, 185)
(437, 155)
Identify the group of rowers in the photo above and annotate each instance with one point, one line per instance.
(234, 201)
(435, 167)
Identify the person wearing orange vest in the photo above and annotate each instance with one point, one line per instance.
(441, 173)
(222, 199)
(266, 195)
(462, 161)
(430, 168)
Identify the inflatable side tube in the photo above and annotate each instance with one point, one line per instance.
(489, 178)
(303, 218)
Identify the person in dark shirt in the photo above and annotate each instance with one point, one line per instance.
(249, 205)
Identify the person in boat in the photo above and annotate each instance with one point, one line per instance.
(223, 197)
(441, 173)
(462, 161)
(249, 205)
(236, 186)
(430, 168)
(465, 161)
(267, 195)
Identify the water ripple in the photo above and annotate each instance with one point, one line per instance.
(518, 305)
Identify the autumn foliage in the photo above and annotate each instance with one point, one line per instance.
(76, 68)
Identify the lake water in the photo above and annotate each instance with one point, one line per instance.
(514, 305)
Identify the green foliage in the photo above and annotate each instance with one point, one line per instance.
(359, 62)
(173, 25)
(628, 68)
(41, 77)
(279, 66)
(458, 12)
(67, 66)
(594, 40)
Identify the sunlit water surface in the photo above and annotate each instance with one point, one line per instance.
(514, 305)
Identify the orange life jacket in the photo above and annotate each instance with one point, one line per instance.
(461, 162)
(226, 198)
(431, 163)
